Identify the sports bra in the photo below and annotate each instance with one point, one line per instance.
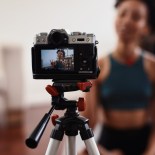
(126, 87)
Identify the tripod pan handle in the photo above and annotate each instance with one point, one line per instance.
(33, 140)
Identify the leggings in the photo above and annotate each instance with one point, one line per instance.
(130, 141)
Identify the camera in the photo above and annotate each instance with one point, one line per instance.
(60, 55)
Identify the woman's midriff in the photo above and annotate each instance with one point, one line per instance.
(126, 119)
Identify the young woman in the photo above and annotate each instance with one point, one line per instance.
(125, 87)
(59, 64)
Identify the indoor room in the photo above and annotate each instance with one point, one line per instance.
(55, 53)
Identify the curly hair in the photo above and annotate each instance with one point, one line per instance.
(60, 50)
(150, 4)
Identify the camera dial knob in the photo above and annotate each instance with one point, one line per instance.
(76, 33)
(90, 35)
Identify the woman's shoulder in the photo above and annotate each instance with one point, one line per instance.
(104, 65)
(149, 64)
(148, 56)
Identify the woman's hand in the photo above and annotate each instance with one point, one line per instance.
(53, 64)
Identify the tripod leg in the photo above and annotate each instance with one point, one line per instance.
(88, 138)
(52, 147)
(91, 146)
(55, 139)
(72, 145)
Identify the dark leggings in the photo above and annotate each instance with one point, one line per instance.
(131, 142)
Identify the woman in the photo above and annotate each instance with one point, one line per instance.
(124, 87)
(59, 64)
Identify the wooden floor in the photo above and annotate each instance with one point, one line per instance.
(12, 138)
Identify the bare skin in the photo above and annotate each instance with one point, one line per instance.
(131, 23)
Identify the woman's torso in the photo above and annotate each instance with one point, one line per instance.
(125, 108)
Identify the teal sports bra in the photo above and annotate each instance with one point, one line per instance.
(126, 87)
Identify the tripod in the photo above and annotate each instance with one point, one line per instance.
(70, 124)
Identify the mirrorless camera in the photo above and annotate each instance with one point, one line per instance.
(64, 56)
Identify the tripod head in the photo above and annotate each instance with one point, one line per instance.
(59, 103)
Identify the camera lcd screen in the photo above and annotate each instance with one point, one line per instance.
(57, 59)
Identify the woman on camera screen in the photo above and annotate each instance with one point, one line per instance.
(59, 64)
(125, 88)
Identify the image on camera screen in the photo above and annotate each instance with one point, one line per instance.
(57, 59)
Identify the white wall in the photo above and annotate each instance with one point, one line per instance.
(20, 20)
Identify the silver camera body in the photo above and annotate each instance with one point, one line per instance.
(73, 37)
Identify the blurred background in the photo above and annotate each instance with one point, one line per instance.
(23, 101)
(21, 20)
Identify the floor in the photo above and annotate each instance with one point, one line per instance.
(12, 138)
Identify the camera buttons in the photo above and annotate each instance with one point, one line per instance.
(85, 61)
(87, 39)
(73, 39)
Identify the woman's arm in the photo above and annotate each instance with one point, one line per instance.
(150, 150)
(92, 97)
(91, 110)
(150, 66)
